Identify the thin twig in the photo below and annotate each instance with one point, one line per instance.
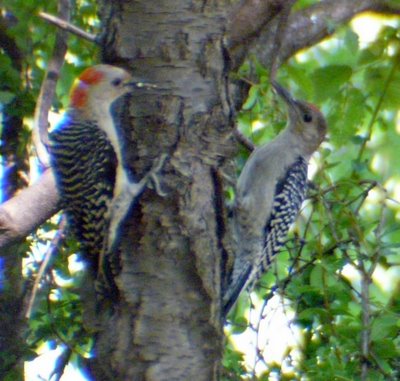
(247, 143)
(48, 88)
(43, 267)
(378, 106)
(61, 363)
(68, 27)
(69, 343)
(365, 300)
(365, 332)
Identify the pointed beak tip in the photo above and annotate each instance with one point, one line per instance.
(283, 93)
(140, 85)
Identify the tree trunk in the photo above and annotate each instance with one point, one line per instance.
(167, 324)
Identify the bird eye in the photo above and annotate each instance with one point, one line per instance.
(307, 118)
(116, 82)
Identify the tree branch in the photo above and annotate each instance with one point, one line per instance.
(68, 27)
(279, 36)
(31, 207)
(55, 242)
(307, 27)
(243, 140)
(248, 18)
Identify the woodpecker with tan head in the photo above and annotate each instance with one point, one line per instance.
(269, 194)
(86, 154)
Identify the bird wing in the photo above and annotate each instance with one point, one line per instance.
(84, 163)
(289, 195)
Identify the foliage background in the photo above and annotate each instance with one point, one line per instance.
(338, 278)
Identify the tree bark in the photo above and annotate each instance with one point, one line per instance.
(17, 220)
(167, 324)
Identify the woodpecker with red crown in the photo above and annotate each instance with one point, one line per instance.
(86, 156)
(269, 194)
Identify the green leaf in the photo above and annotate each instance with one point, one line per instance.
(385, 326)
(385, 348)
(351, 106)
(302, 79)
(6, 97)
(376, 79)
(251, 99)
(367, 56)
(328, 80)
(316, 277)
(311, 313)
(351, 41)
(239, 325)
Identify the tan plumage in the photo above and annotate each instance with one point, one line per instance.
(269, 193)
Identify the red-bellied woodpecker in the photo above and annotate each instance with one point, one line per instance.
(269, 194)
(86, 155)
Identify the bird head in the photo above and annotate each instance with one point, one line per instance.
(100, 85)
(305, 119)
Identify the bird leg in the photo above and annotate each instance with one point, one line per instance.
(125, 195)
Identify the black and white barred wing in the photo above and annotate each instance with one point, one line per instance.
(85, 165)
(289, 196)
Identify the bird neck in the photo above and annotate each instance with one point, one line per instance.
(303, 140)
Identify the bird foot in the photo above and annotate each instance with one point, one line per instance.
(152, 176)
(128, 194)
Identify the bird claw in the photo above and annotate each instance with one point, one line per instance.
(152, 176)
(129, 193)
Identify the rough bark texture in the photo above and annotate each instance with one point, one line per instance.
(167, 325)
(14, 177)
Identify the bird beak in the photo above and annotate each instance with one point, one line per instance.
(284, 94)
(140, 85)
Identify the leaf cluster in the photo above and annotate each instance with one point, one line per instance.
(337, 274)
